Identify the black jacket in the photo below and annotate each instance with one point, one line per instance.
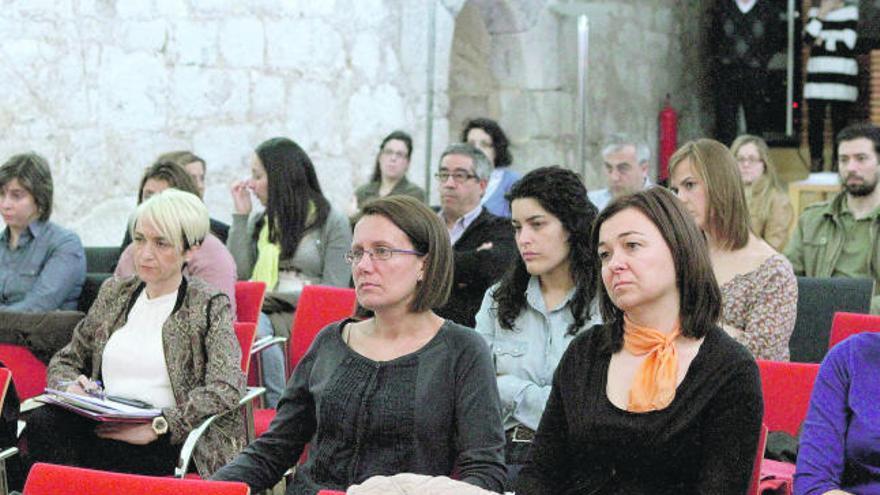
(476, 270)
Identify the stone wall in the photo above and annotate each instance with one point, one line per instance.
(638, 52)
(101, 87)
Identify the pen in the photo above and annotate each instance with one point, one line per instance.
(96, 389)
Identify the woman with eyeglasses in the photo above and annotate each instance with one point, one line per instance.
(529, 317)
(400, 391)
(770, 210)
(298, 239)
(389, 174)
(758, 285)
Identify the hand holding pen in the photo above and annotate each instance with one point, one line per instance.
(83, 386)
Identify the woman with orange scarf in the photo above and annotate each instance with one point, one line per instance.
(659, 400)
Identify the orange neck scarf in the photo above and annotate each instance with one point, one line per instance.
(653, 387)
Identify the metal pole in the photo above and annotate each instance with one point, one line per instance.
(583, 52)
(789, 73)
(429, 114)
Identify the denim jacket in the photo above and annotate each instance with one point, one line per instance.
(45, 272)
(526, 355)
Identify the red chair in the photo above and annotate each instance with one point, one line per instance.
(330, 492)
(49, 479)
(249, 300)
(787, 388)
(755, 483)
(246, 332)
(318, 306)
(29, 373)
(845, 324)
(5, 380)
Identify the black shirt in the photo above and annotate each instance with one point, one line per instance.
(704, 442)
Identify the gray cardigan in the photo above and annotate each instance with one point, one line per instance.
(427, 412)
(319, 256)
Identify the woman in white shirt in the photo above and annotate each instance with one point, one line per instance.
(156, 337)
(533, 313)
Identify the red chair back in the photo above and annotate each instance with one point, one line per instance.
(318, 306)
(846, 324)
(787, 388)
(49, 479)
(246, 332)
(249, 300)
(5, 379)
(28, 372)
(755, 483)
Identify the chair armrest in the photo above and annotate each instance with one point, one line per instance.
(189, 445)
(29, 405)
(4, 482)
(265, 342)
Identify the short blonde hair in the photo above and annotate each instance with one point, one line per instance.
(181, 217)
(727, 218)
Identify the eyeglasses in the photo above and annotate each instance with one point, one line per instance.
(458, 177)
(399, 154)
(748, 160)
(376, 254)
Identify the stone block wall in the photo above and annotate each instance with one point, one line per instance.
(101, 87)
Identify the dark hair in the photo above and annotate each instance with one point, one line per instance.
(292, 187)
(33, 174)
(182, 158)
(865, 130)
(562, 193)
(428, 235)
(699, 295)
(399, 136)
(503, 158)
(170, 172)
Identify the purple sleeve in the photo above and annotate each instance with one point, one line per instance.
(820, 460)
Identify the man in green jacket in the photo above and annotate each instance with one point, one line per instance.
(839, 238)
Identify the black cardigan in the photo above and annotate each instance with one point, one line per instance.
(476, 271)
(704, 442)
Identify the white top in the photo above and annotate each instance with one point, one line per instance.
(134, 360)
(745, 5)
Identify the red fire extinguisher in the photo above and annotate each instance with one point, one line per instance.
(668, 139)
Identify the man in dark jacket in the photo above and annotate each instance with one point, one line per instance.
(483, 243)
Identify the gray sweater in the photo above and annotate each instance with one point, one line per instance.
(427, 412)
(319, 256)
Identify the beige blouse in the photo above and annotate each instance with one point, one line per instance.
(774, 225)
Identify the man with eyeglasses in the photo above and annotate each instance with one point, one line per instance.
(483, 243)
(626, 167)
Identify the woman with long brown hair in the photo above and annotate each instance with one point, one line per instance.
(770, 210)
(659, 400)
(758, 285)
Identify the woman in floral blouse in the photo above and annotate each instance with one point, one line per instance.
(758, 285)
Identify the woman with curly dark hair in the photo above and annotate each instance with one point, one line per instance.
(489, 138)
(532, 314)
